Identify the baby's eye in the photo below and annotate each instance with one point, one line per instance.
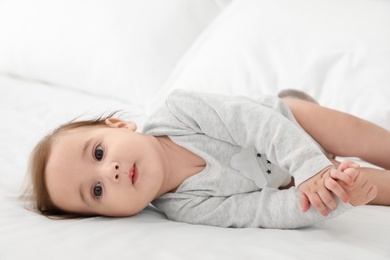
(98, 153)
(98, 190)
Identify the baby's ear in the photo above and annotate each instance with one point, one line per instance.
(117, 123)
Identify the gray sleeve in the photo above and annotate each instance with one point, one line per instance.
(269, 208)
(246, 123)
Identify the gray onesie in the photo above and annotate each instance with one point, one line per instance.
(250, 148)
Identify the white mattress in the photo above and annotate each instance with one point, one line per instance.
(248, 47)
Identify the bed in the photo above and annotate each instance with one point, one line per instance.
(64, 59)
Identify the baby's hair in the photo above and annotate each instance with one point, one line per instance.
(40, 198)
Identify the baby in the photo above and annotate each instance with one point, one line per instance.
(214, 160)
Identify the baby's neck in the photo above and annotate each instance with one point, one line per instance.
(181, 163)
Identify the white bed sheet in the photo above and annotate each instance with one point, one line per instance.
(30, 109)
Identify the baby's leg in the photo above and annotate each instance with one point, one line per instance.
(381, 179)
(343, 134)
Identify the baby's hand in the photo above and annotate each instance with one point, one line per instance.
(363, 191)
(317, 190)
(332, 180)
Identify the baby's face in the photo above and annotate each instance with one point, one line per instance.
(104, 170)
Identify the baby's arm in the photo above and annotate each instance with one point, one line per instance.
(318, 189)
(268, 208)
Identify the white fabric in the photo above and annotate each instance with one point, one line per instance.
(336, 50)
(118, 48)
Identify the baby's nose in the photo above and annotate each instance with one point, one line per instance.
(116, 171)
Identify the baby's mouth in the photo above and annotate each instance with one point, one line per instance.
(133, 174)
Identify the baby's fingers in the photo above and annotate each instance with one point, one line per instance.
(348, 164)
(338, 175)
(337, 189)
(327, 199)
(304, 201)
(317, 202)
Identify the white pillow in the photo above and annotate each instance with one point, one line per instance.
(336, 50)
(118, 48)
